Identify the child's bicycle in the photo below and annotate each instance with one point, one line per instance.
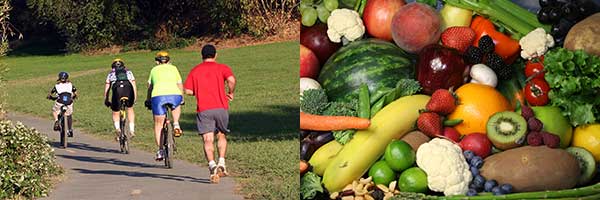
(63, 127)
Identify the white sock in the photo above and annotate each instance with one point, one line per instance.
(131, 127)
(176, 125)
(117, 125)
(221, 161)
(212, 164)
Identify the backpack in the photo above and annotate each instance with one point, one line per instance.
(121, 74)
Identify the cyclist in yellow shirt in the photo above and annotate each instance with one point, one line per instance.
(164, 87)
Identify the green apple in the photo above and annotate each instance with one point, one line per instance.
(555, 123)
(455, 16)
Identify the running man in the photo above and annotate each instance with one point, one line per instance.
(206, 82)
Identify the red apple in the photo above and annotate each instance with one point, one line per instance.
(378, 17)
(309, 63)
(315, 38)
(478, 143)
(451, 134)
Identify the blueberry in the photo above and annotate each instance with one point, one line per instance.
(506, 188)
(474, 171)
(472, 192)
(476, 162)
(478, 181)
(468, 155)
(489, 185)
(497, 191)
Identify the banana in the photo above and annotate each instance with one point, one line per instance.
(355, 158)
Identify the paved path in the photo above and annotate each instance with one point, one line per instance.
(95, 169)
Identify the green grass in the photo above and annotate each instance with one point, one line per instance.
(262, 148)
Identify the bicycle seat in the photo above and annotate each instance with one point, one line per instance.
(168, 105)
(124, 99)
(63, 108)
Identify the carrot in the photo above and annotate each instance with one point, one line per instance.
(303, 166)
(331, 123)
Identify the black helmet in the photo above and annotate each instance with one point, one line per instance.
(63, 76)
(162, 57)
(117, 63)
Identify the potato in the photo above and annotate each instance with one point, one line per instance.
(415, 139)
(531, 168)
(585, 35)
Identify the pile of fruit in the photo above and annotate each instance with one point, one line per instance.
(468, 99)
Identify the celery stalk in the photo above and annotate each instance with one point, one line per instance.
(505, 13)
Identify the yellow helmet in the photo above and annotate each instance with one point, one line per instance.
(116, 63)
(162, 57)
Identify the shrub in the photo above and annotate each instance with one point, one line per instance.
(27, 160)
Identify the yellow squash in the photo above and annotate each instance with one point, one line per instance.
(355, 158)
(323, 156)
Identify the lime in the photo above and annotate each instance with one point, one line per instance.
(382, 173)
(413, 180)
(399, 155)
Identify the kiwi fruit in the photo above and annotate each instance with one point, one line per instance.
(506, 130)
(587, 164)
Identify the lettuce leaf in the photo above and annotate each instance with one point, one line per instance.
(574, 79)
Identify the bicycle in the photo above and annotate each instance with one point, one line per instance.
(167, 140)
(124, 134)
(63, 127)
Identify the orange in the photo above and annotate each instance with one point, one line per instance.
(477, 103)
(588, 137)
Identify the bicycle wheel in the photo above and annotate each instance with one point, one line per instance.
(168, 147)
(63, 131)
(123, 138)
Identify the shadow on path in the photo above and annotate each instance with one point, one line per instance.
(109, 161)
(144, 174)
(85, 147)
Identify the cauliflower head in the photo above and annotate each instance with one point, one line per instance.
(535, 43)
(446, 168)
(344, 23)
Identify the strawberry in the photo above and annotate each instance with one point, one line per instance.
(442, 102)
(458, 37)
(430, 123)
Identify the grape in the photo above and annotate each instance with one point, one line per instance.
(323, 13)
(330, 4)
(309, 16)
(304, 6)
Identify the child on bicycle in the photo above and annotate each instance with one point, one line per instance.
(164, 87)
(122, 83)
(66, 92)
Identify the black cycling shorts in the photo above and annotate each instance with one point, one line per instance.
(121, 89)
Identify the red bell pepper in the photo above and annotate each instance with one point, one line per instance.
(505, 46)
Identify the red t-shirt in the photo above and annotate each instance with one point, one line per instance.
(207, 80)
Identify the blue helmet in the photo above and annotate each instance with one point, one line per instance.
(63, 76)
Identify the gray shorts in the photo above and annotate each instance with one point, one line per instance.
(213, 120)
(56, 108)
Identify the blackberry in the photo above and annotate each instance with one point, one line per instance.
(495, 62)
(486, 44)
(473, 55)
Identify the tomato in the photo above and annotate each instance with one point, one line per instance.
(534, 67)
(536, 92)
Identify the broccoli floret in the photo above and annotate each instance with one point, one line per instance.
(342, 108)
(314, 101)
(408, 87)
